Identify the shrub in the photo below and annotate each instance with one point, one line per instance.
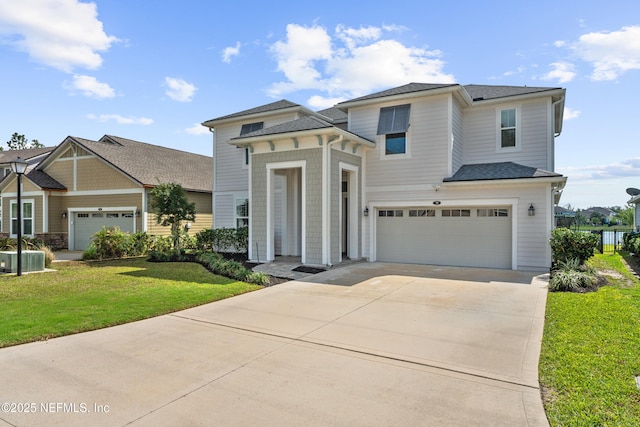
(631, 242)
(569, 244)
(111, 243)
(223, 239)
(49, 256)
(171, 255)
(571, 276)
(215, 263)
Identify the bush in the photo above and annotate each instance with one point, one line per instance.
(223, 239)
(9, 244)
(568, 244)
(571, 276)
(109, 243)
(631, 242)
(171, 255)
(215, 263)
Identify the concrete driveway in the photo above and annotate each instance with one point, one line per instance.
(363, 345)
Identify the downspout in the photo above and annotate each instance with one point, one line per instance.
(213, 187)
(327, 214)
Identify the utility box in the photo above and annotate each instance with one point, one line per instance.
(31, 261)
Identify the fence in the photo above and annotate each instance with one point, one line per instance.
(610, 240)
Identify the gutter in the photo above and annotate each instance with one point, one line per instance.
(326, 222)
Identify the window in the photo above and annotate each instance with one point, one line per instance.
(393, 124)
(242, 213)
(248, 128)
(27, 218)
(389, 212)
(484, 212)
(508, 128)
(422, 212)
(456, 212)
(112, 215)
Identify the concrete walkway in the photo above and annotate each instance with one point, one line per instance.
(363, 345)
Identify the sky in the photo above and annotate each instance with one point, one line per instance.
(153, 70)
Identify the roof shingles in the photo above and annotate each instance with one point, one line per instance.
(493, 171)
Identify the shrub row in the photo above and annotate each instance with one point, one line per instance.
(112, 242)
(216, 263)
(223, 240)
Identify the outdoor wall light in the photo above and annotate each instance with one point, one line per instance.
(64, 215)
(532, 210)
(366, 211)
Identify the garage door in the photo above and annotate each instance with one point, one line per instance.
(85, 224)
(472, 237)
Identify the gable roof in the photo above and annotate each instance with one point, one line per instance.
(402, 90)
(27, 154)
(145, 163)
(502, 170)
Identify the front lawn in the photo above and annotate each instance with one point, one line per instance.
(591, 351)
(86, 296)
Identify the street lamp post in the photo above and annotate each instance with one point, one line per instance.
(19, 166)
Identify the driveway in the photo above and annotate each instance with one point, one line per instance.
(370, 344)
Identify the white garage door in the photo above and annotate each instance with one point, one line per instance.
(471, 237)
(85, 224)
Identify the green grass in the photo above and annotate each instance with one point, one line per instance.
(86, 296)
(591, 352)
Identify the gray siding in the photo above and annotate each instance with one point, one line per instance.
(428, 142)
(480, 133)
(224, 215)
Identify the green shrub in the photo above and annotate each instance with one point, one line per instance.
(631, 242)
(215, 263)
(571, 276)
(171, 255)
(569, 244)
(109, 243)
(91, 253)
(223, 240)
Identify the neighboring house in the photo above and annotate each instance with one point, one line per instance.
(605, 215)
(84, 185)
(423, 173)
(564, 217)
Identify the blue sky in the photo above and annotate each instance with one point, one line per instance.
(152, 70)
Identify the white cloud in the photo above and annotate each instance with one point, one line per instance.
(179, 90)
(320, 102)
(197, 129)
(351, 63)
(610, 53)
(563, 72)
(627, 168)
(559, 43)
(91, 87)
(230, 52)
(570, 113)
(63, 34)
(121, 120)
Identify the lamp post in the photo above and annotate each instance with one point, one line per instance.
(19, 166)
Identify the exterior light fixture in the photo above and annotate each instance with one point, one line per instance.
(19, 166)
(366, 211)
(64, 215)
(532, 210)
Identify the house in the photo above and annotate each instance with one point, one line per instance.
(602, 215)
(82, 185)
(440, 174)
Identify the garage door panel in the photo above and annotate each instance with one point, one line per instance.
(461, 241)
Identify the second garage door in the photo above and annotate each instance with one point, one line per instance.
(87, 223)
(471, 237)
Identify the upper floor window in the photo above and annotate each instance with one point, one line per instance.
(508, 137)
(248, 128)
(393, 124)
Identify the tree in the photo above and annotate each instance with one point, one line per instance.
(170, 204)
(625, 216)
(19, 142)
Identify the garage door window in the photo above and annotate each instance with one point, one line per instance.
(456, 212)
(390, 212)
(488, 212)
(422, 212)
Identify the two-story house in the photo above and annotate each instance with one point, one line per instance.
(423, 173)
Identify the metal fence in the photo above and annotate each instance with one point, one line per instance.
(610, 240)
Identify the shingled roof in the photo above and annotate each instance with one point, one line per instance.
(274, 106)
(493, 171)
(487, 92)
(299, 125)
(401, 90)
(26, 154)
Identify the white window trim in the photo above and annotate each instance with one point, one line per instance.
(33, 219)
(381, 140)
(235, 210)
(499, 147)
